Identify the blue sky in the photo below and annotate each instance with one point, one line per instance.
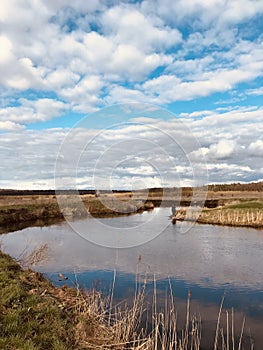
(62, 61)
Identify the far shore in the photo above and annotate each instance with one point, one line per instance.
(228, 207)
(246, 214)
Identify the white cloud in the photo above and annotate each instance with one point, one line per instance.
(131, 42)
(196, 114)
(84, 96)
(256, 148)
(61, 78)
(169, 88)
(257, 92)
(19, 73)
(6, 49)
(87, 54)
(222, 150)
(204, 13)
(32, 111)
(137, 152)
(129, 26)
(10, 126)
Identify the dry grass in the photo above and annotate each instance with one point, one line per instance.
(122, 327)
(90, 320)
(247, 214)
(38, 255)
(245, 217)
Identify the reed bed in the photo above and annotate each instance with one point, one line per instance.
(238, 217)
(140, 327)
(224, 216)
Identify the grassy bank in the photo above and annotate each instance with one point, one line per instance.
(246, 214)
(34, 315)
(21, 209)
(10, 214)
(31, 316)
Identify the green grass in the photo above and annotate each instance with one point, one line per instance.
(27, 319)
(247, 205)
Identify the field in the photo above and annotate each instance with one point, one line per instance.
(222, 204)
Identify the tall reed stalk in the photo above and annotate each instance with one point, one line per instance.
(133, 327)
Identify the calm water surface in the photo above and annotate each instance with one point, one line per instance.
(211, 261)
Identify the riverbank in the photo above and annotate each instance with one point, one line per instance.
(34, 209)
(221, 207)
(244, 214)
(36, 315)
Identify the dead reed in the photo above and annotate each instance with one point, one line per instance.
(238, 217)
(246, 217)
(39, 254)
(100, 323)
(137, 327)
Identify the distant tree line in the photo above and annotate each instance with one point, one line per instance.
(185, 191)
(11, 192)
(252, 186)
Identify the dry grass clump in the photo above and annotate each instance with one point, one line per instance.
(233, 217)
(103, 326)
(38, 255)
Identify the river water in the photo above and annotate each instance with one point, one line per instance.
(210, 261)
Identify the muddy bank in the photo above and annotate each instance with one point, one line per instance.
(28, 210)
(28, 213)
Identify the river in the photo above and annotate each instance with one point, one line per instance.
(210, 261)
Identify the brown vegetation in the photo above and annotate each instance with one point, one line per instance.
(252, 186)
(36, 315)
(42, 205)
(247, 214)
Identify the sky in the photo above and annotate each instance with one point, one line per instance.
(130, 94)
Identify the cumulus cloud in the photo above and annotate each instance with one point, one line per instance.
(32, 111)
(10, 126)
(61, 57)
(222, 150)
(164, 152)
(203, 13)
(256, 148)
(127, 24)
(54, 46)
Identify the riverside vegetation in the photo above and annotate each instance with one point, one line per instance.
(36, 315)
(247, 214)
(20, 208)
(236, 204)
